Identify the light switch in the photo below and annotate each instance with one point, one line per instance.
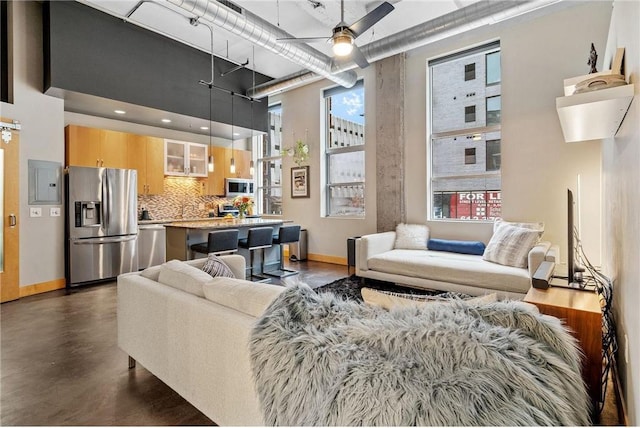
(54, 212)
(35, 212)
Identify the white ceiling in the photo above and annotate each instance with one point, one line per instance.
(298, 17)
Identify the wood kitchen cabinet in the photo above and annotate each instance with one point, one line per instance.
(214, 184)
(95, 147)
(242, 160)
(146, 155)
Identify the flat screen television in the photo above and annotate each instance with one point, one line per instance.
(571, 267)
(574, 270)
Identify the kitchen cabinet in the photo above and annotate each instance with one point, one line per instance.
(146, 155)
(95, 147)
(214, 185)
(182, 158)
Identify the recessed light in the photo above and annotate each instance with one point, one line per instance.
(119, 111)
(166, 120)
(235, 134)
(204, 128)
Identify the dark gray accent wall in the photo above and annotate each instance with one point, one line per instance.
(94, 53)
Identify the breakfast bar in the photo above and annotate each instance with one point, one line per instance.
(181, 235)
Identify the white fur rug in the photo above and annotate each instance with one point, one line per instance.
(319, 360)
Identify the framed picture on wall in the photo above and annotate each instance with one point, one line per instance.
(300, 182)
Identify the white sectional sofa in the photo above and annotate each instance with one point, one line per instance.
(377, 258)
(192, 332)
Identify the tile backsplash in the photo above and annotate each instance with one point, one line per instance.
(182, 198)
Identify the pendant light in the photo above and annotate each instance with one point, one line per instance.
(210, 162)
(232, 166)
(252, 169)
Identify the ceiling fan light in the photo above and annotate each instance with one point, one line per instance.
(342, 45)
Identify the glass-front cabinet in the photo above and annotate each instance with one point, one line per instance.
(185, 159)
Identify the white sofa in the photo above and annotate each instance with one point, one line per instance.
(194, 334)
(376, 258)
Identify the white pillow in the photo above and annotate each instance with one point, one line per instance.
(510, 245)
(251, 298)
(539, 226)
(389, 300)
(184, 277)
(411, 236)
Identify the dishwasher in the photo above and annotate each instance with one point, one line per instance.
(151, 245)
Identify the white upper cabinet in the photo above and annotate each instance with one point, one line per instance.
(182, 158)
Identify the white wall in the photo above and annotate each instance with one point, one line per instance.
(621, 208)
(41, 138)
(301, 112)
(538, 167)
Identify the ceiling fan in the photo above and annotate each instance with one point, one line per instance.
(343, 35)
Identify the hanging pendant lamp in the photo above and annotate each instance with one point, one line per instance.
(232, 166)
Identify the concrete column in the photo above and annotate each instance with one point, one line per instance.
(390, 83)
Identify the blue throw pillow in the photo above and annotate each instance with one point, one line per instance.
(462, 247)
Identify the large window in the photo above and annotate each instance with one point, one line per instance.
(269, 196)
(344, 150)
(465, 180)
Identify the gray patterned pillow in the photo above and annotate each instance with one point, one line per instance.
(216, 267)
(510, 245)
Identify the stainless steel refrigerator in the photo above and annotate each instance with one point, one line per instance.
(102, 223)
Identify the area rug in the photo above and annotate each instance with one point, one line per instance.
(349, 289)
(322, 361)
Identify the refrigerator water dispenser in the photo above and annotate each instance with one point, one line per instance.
(87, 214)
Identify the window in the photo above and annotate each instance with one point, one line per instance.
(470, 114)
(269, 195)
(469, 156)
(465, 187)
(493, 110)
(344, 151)
(493, 155)
(493, 68)
(469, 72)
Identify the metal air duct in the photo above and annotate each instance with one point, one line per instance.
(260, 32)
(456, 22)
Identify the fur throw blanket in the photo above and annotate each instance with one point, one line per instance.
(318, 360)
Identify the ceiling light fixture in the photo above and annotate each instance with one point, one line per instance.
(342, 44)
(166, 120)
(204, 128)
(119, 111)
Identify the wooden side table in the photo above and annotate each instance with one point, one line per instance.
(580, 311)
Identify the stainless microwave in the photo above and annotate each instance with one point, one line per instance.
(238, 187)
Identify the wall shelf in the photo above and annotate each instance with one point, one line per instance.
(593, 115)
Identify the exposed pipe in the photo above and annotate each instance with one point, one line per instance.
(464, 19)
(260, 32)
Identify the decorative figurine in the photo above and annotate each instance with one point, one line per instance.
(593, 57)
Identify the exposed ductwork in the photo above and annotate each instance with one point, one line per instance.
(456, 22)
(258, 31)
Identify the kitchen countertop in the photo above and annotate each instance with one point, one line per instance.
(223, 223)
(184, 220)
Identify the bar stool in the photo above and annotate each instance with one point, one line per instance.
(286, 235)
(218, 242)
(257, 238)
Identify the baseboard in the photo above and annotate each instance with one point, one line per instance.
(42, 287)
(322, 258)
(622, 408)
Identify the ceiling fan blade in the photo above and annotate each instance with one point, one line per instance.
(302, 39)
(358, 57)
(370, 19)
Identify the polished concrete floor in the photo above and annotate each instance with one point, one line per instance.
(60, 363)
